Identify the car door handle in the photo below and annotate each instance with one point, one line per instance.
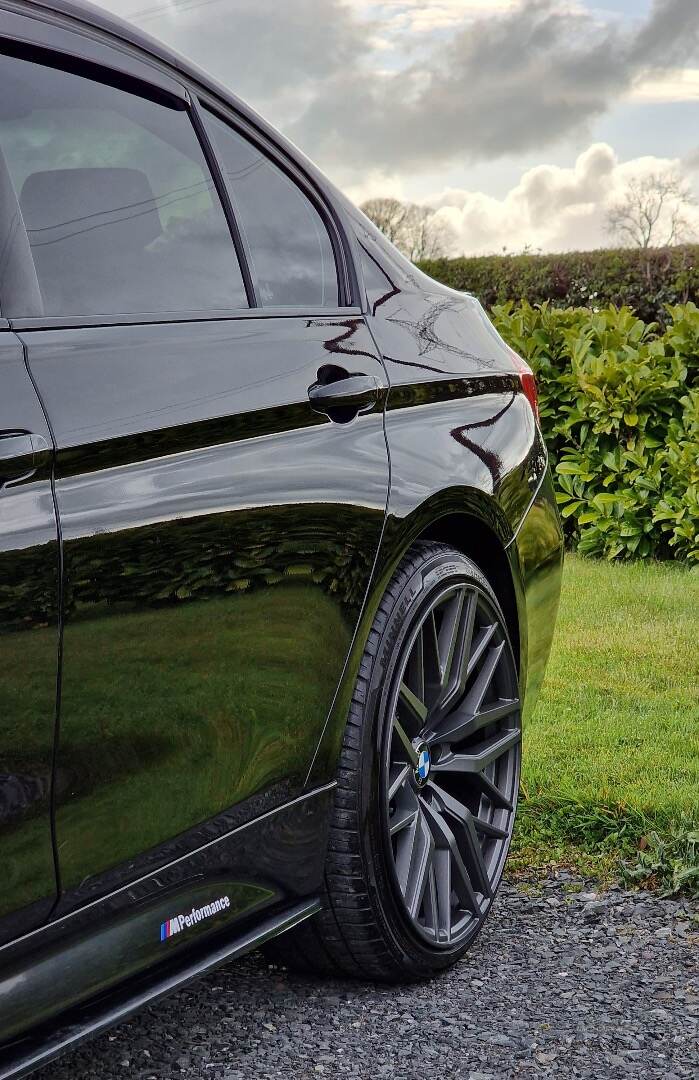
(347, 391)
(21, 453)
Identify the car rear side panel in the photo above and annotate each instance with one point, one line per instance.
(464, 448)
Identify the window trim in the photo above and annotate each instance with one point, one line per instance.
(214, 166)
(166, 91)
(79, 322)
(347, 293)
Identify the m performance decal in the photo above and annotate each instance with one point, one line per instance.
(178, 923)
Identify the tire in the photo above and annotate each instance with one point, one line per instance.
(405, 897)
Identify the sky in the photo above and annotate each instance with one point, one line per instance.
(520, 121)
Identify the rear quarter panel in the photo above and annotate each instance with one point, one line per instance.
(462, 441)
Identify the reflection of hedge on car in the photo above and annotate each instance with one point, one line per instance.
(200, 562)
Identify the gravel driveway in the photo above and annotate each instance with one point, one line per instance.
(561, 983)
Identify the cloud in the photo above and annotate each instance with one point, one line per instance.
(507, 84)
(676, 84)
(405, 87)
(551, 208)
(668, 36)
(424, 16)
(276, 56)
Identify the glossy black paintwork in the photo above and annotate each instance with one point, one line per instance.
(263, 868)
(443, 355)
(45, 1042)
(464, 447)
(218, 538)
(537, 556)
(226, 547)
(29, 583)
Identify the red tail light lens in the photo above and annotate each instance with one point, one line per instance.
(526, 378)
(530, 392)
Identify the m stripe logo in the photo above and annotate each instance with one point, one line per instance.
(178, 923)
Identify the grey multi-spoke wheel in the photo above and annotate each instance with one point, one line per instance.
(451, 761)
(427, 785)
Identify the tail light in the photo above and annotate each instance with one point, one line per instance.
(527, 381)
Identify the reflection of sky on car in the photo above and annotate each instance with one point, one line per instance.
(63, 122)
(291, 251)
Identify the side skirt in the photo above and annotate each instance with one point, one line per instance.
(83, 1022)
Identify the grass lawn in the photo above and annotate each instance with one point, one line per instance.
(611, 755)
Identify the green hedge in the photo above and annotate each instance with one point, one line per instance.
(619, 401)
(645, 281)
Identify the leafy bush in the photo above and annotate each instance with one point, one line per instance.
(619, 402)
(646, 281)
(668, 859)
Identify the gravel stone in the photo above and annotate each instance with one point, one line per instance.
(593, 986)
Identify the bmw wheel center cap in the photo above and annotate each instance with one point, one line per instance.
(424, 761)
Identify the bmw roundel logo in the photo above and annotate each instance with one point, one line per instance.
(423, 765)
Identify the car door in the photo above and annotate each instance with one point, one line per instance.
(29, 594)
(221, 471)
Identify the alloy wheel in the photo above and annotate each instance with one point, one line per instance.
(450, 769)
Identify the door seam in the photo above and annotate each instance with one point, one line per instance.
(375, 563)
(60, 627)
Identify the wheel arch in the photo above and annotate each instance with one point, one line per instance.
(474, 538)
(474, 524)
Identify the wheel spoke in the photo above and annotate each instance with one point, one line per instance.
(482, 755)
(431, 902)
(415, 847)
(476, 695)
(445, 838)
(472, 703)
(430, 657)
(406, 810)
(462, 722)
(415, 668)
(420, 867)
(483, 641)
(412, 708)
(410, 750)
(454, 680)
(400, 774)
(471, 848)
(402, 819)
(404, 853)
(486, 828)
(449, 634)
(496, 796)
(442, 871)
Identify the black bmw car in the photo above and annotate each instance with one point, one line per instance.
(279, 555)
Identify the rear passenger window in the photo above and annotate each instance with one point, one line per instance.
(292, 256)
(120, 209)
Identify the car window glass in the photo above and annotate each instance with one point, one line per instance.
(120, 208)
(290, 249)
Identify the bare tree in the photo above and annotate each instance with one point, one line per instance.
(415, 230)
(388, 215)
(653, 211)
(427, 236)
